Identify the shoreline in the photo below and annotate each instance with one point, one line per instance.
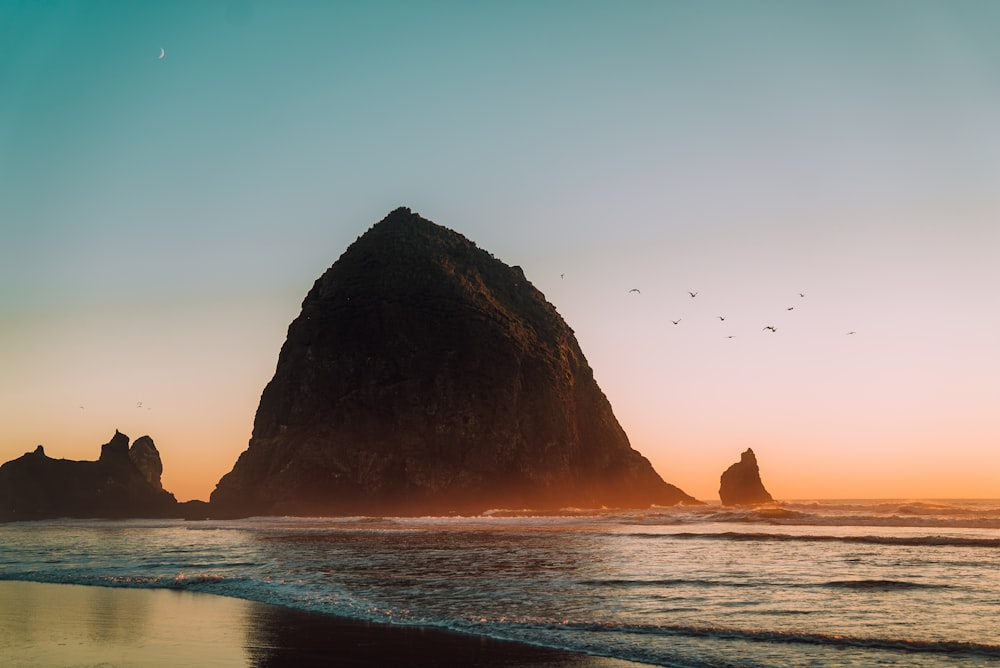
(43, 624)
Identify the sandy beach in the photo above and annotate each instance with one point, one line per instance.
(74, 625)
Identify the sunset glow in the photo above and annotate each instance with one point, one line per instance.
(821, 169)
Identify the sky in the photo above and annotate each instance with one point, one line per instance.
(161, 219)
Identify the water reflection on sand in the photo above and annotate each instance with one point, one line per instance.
(76, 625)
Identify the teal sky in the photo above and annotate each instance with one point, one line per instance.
(162, 219)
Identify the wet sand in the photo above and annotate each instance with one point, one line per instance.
(73, 625)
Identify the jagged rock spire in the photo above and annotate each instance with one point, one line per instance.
(740, 484)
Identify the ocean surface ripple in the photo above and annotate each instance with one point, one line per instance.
(848, 583)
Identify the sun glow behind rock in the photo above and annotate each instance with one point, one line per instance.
(153, 249)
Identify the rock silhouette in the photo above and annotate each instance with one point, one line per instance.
(740, 484)
(424, 376)
(123, 482)
(146, 458)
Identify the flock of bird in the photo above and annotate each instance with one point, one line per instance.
(767, 328)
(138, 404)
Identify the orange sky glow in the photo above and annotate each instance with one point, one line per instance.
(161, 219)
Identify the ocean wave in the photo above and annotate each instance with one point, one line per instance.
(181, 581)
(899, 514)
(985, 507)
(916, 646)
(535, 631)
(287, 592)
(881, 585)
(671, 582)
(921, 541)
(903, 513)
(861, 585)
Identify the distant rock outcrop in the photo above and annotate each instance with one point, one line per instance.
(146, 458)
(740, 484)
(425, 376)
(122, 483)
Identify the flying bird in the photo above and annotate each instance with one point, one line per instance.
(162, 53)
(676, 321)
(790, 308)
(721, 318)
(850, 333)
(635, 290)
(770, 328)
(693, 294)
(802, 294)
(731, 336)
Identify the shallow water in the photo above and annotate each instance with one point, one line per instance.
(818, 583)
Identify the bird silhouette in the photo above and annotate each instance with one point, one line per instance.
(676, 321)
(636, 290)
(770, 328)
(731, 336)
(850, 333)
(721, 318)
(790, 308)
(693, 294)
(802, 294)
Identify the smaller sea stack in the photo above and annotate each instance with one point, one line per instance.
(740, 484)
(123, 482)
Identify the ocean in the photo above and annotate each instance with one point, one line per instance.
(824, 583)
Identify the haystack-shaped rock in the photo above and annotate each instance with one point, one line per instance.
(121, 483)
(741, 485)
(425, 376)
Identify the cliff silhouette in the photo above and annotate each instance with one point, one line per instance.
(123, 482)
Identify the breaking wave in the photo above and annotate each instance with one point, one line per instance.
(949, 647)
(968, 515)
(919, 541)
(881, 585)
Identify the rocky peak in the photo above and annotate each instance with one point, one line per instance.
(146, 458)
(740, 484)
(116, 450)
(424, 375)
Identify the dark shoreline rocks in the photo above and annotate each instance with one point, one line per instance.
(122, 483)
(740, 484)
(424, 376)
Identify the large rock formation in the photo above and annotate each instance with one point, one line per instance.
(425, 376)
(740, 484)
(123, 482)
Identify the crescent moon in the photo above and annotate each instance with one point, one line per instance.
(162, 53)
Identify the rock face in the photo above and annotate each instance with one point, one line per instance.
(741, 485)
(425, 376)
(146, 458)
(36, 486)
